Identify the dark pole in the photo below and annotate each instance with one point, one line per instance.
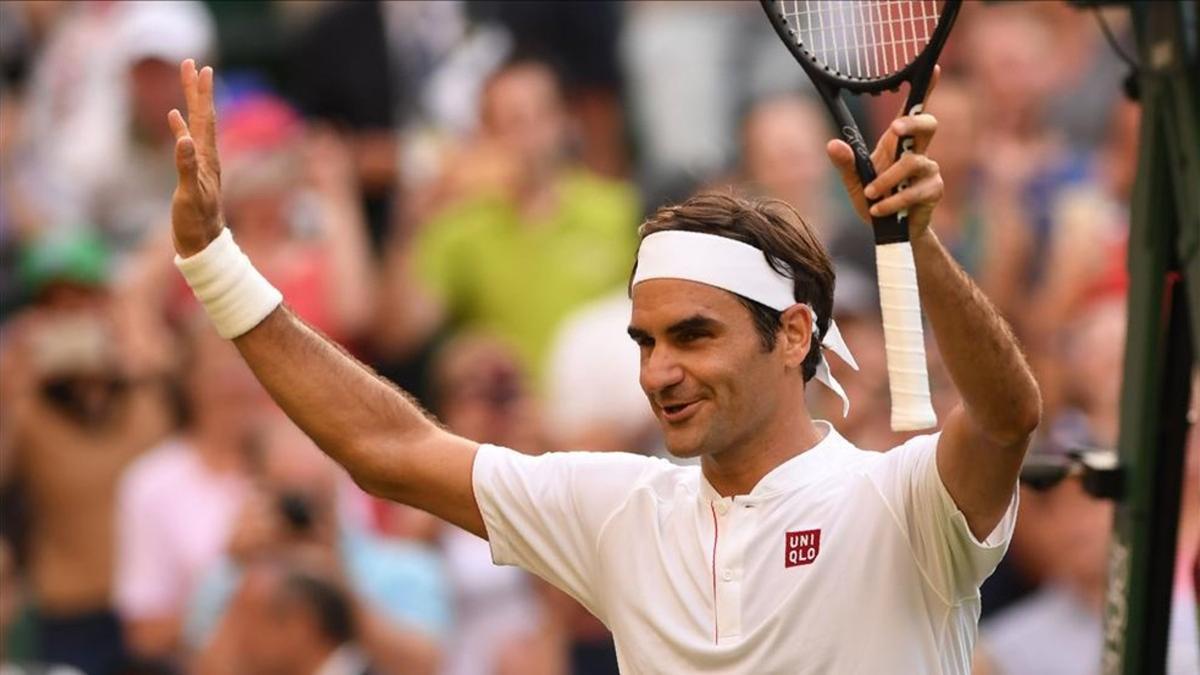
(1164, 308)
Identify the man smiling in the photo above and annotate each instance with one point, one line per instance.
(788, 550)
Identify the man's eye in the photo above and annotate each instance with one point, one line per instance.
(692, 336)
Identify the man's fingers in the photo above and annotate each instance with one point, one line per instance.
(185, 147)
(205, 90)
(921, 127)
(923, 124)
(197, 124)
(843, 158)
(927, 191)
(178, 126)
(187, 80)
(910, 167)
(891, 135)
(201, 121)
(185, 160)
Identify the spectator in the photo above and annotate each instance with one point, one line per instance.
(177, 504)
(691, 70)
(1086, 256)
(291, 200)
(783, 156)
(19, 37)
(1050, 630)
(286, 620)
(394, 76)
(510, 625)
(960, 221)
(64, 122)
(1091, 353)
(581, 38)
(782, 147)
(1059, 629)
(296, 511)
(593, 398)
(82, 378)
(493, 258)
(1087, 74)
(109, 158)
(1028, 166)
(481, 390)
(291, 196)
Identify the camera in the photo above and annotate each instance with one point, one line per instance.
(297, 510)
(77, 368)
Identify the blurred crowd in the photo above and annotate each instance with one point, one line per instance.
(452, 191)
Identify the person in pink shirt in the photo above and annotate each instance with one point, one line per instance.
(176, 504)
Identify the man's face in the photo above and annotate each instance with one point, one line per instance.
(154, 90)
(784, 150)
(278, 640)
(485, 395)
(703, 368)
(1010, 56)
(523, 110)
(955, 146)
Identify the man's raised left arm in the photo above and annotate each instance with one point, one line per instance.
(984, 439)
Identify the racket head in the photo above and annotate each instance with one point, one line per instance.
(866, 46)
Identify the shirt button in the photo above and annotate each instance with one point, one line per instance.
(722, 508)
(727, 575)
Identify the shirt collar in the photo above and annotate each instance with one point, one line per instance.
(797, 472)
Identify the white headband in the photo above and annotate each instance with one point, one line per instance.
(739, 268)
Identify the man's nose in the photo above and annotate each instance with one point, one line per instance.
(660, 370)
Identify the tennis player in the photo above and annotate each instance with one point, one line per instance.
(788, 550)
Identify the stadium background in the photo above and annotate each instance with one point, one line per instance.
(452, 190)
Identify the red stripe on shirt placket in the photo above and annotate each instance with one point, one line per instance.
(716, 534)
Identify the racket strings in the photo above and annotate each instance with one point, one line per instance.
(866, 40)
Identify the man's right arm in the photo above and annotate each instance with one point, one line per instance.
(377, 432)
(382, 438)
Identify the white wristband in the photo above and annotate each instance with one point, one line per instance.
(236, 297)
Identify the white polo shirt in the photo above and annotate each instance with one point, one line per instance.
(839, 561)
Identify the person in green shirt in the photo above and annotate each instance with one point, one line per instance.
(527, 235)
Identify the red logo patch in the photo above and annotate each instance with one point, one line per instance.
(801, 548)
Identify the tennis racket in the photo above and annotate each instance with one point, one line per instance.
(867, 47)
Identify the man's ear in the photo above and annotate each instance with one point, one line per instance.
(797, 330)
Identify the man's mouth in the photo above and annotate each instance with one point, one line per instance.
(678, 412)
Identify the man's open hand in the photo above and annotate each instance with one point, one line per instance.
(196, 205)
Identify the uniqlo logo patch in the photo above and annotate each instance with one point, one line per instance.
(801, 548)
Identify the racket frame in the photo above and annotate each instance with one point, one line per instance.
(908, 377)
(829, 84)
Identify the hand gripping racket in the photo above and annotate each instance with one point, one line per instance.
(866, 47)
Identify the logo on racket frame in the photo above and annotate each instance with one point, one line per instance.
(854, 138)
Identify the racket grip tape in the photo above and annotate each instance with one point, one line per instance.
(904, 337)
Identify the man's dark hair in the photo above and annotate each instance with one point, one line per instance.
(790, 247)
(327, 602)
